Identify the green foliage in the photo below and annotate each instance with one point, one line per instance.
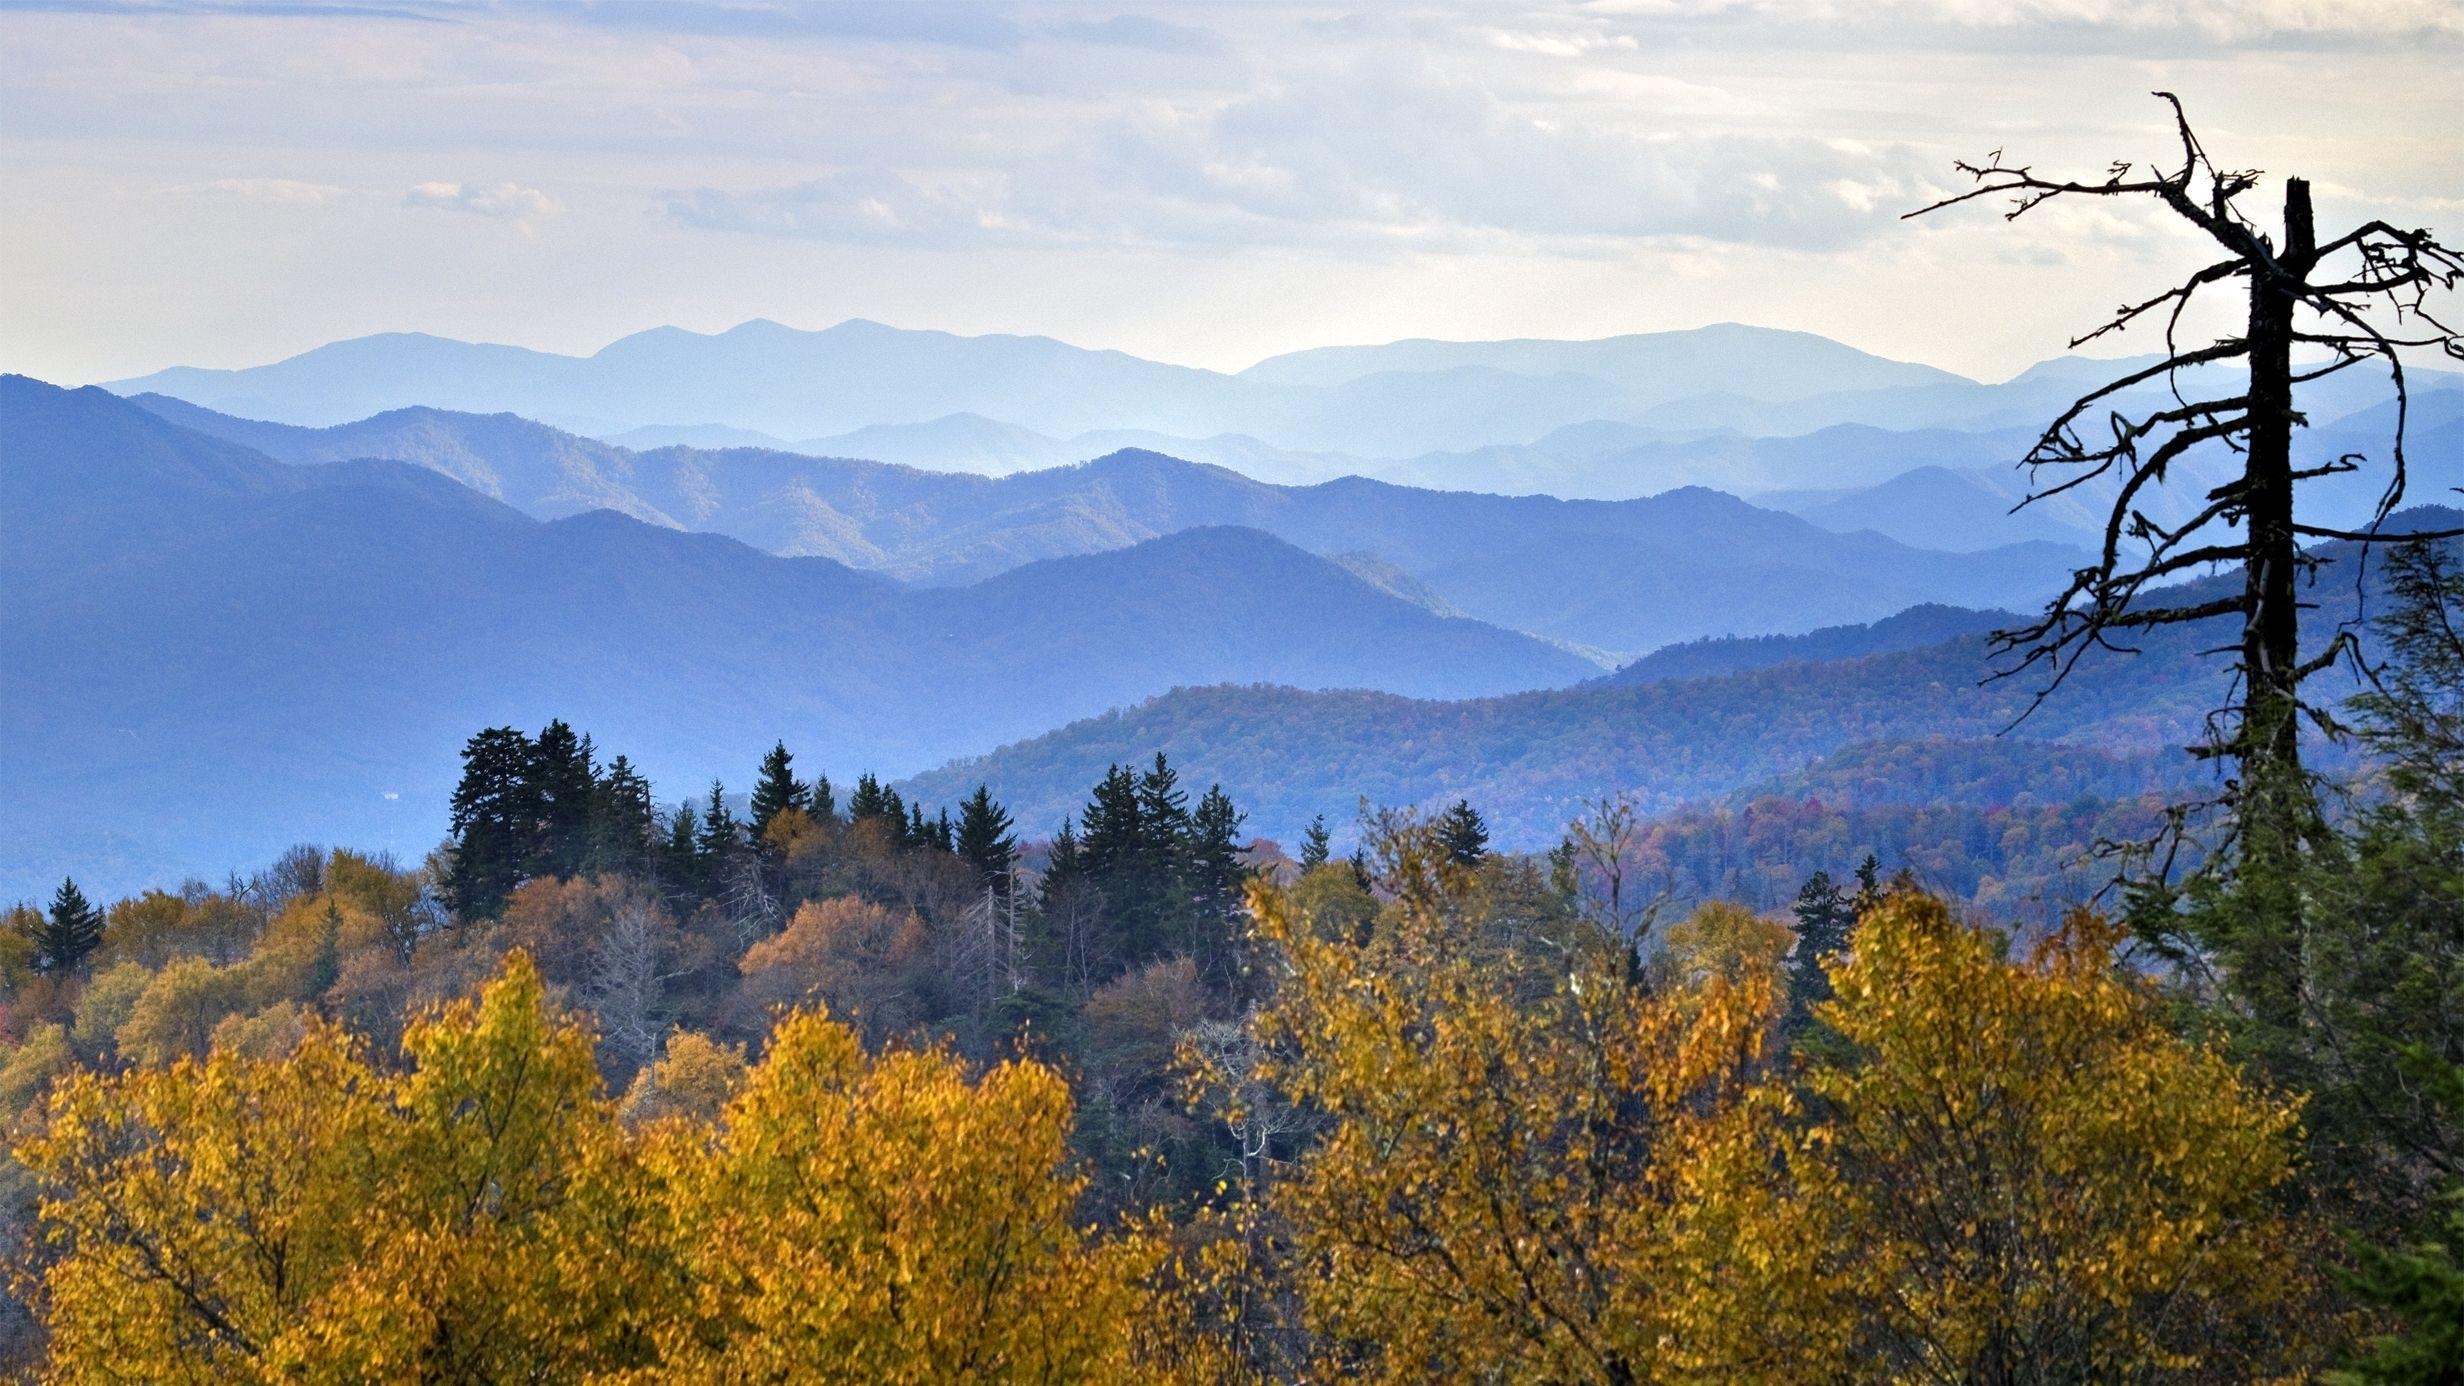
(2419, 1283)
(775, 790)
(496, 814)
(984, 841)
(1463, 834)
(1314, 844)
(69, 932)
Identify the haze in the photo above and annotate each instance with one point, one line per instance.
(207, 185)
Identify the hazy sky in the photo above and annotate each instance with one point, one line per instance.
(224, 184)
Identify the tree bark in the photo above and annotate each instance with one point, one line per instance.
(2271, 651)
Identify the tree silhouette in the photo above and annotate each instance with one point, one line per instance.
(2358, 298)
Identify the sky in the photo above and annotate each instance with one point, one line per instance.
(199, 183)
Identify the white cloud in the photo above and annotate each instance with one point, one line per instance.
(288, 190)
(1354, 158)
(504, 201)
(1561, 43)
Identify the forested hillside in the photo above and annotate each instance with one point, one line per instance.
(844, 1078)
(171, 593)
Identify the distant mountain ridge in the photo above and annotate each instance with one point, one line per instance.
(205, 653)
(1901, 726)
(1912, 629)
(1622, 577)
(1394, 401)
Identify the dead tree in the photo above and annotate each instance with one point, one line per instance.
(2361, 297)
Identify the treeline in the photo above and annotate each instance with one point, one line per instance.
(860, 1096)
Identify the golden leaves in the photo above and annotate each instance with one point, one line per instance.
(481, 1215)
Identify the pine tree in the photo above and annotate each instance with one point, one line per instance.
(917, 833)
(823, 804)
(985, 842)
(1216, 883)
(1870, 890)
(1123, 857)
(1315, 844)
(325, 968)
(942, 836)
(563, 785)
(1824, 918)
(681, 859)
(495, 822)
(1463, 834)
(1062, 866)
(866, 802)
(775, 790)
(73, 929)
(624, 828)
(720, 836)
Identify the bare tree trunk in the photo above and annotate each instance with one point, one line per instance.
(2271, 654)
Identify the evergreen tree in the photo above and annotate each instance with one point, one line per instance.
(984, 840)
(680, 861)
(1215, 882)
(72, 930)
(2419, 1284)
(1315, 844)
(495, 822)
(1062, 866)
(823, 803)
(866, 802)
(775, 790)
(1824, 917)
(943, 836)
(721, 834)
(563, 786)
(917, 833)
(1360, 868)
(1870, 889)
(1463, 834)
(325, 968)
(624, 827)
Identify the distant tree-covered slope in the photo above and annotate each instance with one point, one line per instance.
(1918, 626)
(205, 653)
(1926, 730)
(1624, 576)
(1530, 761)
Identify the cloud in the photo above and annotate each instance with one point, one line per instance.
(1138, 31)
(287, 190)
(503, 201)
(1560, 44)
(859, 206)
(2108, 21)
(1356, 157)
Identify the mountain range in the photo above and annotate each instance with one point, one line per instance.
(1617, 577)
(1847, 439)
(207, 653)
(1896, 727)
(1392, 401)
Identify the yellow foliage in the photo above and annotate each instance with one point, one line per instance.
(306, 1218)
(482, 1216)
(886, 1220)
(2010, 1168)
(1498, 1189)
(175, 1016)
(29, 1069)
(694, 1079)
(105, 1005)
(1720, 939)
(266, 1034)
